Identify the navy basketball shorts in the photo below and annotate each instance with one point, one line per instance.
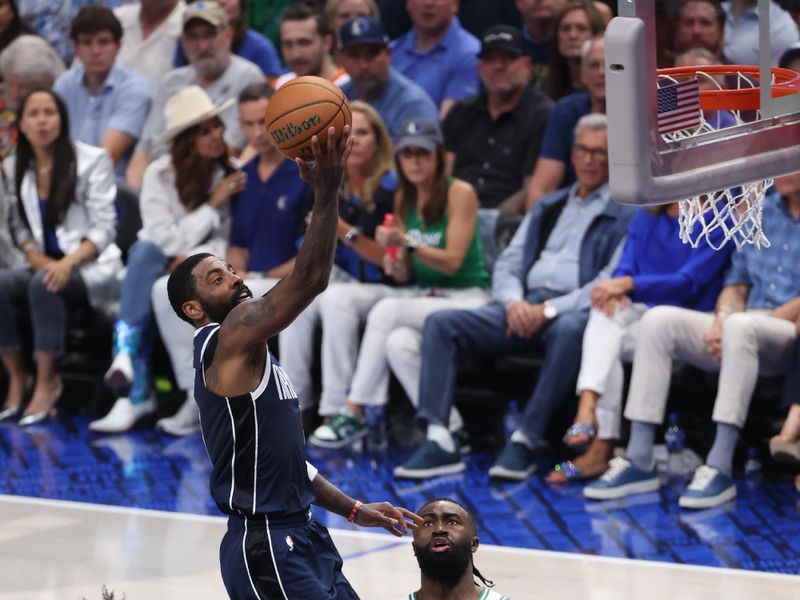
(284, 558)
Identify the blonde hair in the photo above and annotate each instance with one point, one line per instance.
(331, 6)
(383, 159)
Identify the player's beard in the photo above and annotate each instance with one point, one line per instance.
(446, 568)
(218, 312)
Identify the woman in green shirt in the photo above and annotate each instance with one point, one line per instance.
(434, 246)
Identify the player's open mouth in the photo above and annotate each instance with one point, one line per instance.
(440, 544)
(245, 295)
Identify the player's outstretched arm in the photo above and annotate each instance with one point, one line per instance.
(394, 519)
(251, 323)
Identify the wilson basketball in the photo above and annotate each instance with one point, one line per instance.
(304, 107)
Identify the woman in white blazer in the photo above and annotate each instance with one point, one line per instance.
(63, 220)
(185, 208)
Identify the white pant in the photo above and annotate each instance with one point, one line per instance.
(607, 342)
(394, 327)
(178, 335)
(340, 309)
(752, 342)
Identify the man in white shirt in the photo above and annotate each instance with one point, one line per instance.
(151, 29)
(207, 41)
(742, 32)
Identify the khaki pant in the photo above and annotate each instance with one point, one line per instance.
(753, 343)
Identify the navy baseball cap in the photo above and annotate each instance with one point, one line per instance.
(502, 37)
(363, 30)
(419, 132)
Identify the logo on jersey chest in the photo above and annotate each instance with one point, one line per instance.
(283, 384)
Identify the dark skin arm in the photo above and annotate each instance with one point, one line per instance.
(395, 520)
(241, 351)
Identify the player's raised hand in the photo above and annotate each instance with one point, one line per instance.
(326, 172)
(394, 519)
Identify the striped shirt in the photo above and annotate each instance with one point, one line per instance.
(255, 441)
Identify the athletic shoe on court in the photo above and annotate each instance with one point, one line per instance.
(516, 462)
(343, 429)
(623, 478)
(123, 415)
(430, 460)
(709, 488)
(461, 437)
(184, 422)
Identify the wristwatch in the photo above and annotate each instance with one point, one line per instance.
(351, 236)
(550, 311)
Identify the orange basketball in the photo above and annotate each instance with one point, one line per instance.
(304, 107)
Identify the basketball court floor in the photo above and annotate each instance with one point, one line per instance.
(132, 512)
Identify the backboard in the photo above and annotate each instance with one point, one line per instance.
(647, 169)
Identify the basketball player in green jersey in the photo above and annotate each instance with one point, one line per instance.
(444, 545)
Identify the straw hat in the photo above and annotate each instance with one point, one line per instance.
(187, 108)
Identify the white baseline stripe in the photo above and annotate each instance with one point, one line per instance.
(383, 537)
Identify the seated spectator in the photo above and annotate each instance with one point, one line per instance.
(370, 184)
(185, 207)
(51, 21)
(451, 574)
(151, 29)
(656, 268)
(27, 63)
(11, 25)
(307, 43)
(339, 12)
(540, 289)
(577, 22)
(785, 446)
(742, 32)
(553, 167)
(437, 53)
(699, 57)
(537, 30)
(493, 138)
(365, 55)
(700, 24)
(207, 41)
(266, 222)
(436, 243)
(753, 332)
(107, 102)
(10, 256)
(63, 220)
(247, 43)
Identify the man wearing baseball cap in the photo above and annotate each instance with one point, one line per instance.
(207, 41)
(366, 57)
(507, 117)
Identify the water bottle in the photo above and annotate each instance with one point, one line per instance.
(752, 467)
(512, 419)
(376, 424)
(675, 440)
(390, 221)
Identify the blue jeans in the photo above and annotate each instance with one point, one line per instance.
(146, 263)
(483, 331)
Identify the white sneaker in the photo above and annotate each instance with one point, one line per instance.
(123, 415)
(119, 376)
(184, 422)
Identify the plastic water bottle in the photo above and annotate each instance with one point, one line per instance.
(376, 424)
(390, 221)
(512, 419)
(752, 467)
(675, 440)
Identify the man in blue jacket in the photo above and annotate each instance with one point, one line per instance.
(540, 288)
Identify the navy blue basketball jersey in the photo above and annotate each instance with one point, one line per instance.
(255, 441)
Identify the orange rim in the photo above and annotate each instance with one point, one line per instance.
(786, 82)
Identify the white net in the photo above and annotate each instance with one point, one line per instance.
(724, 215)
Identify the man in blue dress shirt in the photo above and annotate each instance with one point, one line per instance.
(366, 57)
(107, 102)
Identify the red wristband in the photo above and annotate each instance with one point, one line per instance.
(354, 512)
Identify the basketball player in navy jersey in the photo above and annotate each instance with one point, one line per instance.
(250, 417)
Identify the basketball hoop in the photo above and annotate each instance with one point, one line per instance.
(733, 213)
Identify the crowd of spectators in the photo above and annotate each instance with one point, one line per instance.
(463, 113)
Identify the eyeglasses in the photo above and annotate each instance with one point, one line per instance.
(411, 152)
(593, 153)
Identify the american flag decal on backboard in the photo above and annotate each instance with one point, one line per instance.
(678, 106)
